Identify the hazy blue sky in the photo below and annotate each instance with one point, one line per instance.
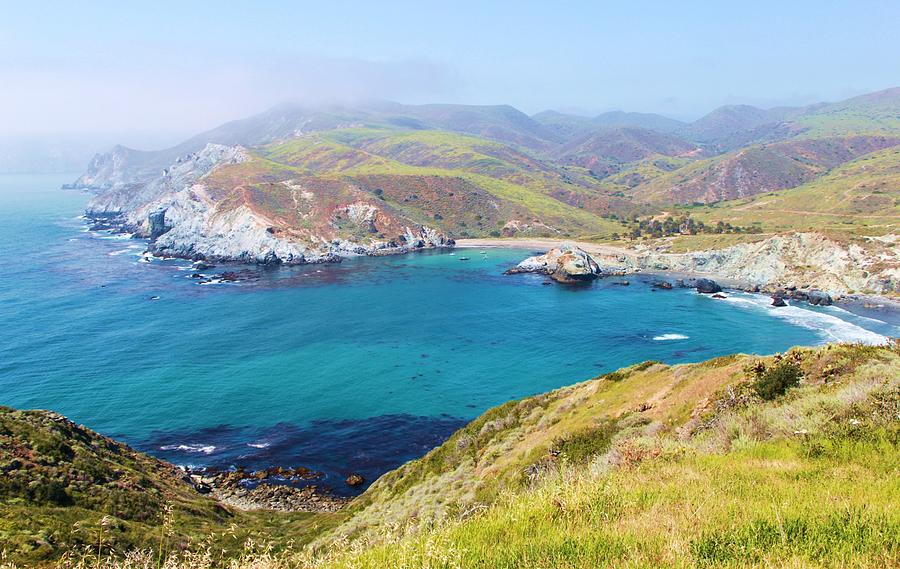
(179, 67)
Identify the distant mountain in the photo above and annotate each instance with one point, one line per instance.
(874, 114)
(758, 169)
(726, 127)
(567, 126)
(500, 123)
(299, 184)
(622, 145)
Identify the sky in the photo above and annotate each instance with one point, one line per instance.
(154, 72)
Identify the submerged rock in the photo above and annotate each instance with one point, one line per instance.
(664, 285)
(565, 264)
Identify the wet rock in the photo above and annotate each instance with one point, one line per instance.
(717, 295)
(355, 480)
(819, 298)
(707, 286)
(664, 285)
(778, 301)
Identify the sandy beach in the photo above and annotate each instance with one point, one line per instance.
(546, 244)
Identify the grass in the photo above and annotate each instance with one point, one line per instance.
(859, 197)
(654, 465)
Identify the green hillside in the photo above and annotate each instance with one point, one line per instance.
(862, 197)
(871, 114)
(738, 461)
(461, 184)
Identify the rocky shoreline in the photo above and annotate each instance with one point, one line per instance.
(275, 488)
(569, 264)
(784, 262)
(260, 253)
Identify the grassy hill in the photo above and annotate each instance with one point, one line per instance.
(757, 169)
(871, 114)
(605, 151)
(460, 184)
(66, 489)
(737, 461)
(860, 197)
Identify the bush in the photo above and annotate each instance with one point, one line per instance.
(777, 380)
(580, 447)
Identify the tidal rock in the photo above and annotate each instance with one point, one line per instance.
(665, 285)
(565, 264)
(355, 480)
(819, 298)
(707, 286)
(717, 295)
(778, 301)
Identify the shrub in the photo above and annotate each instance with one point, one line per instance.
(777, 380)
(582, 446)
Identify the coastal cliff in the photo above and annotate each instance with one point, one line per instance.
(206, 206)
(791, 260)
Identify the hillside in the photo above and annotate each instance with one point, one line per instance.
(605, 151)
(732, 126)
(67, 489)
(861, 196)
(313, 197)
(871, 114)
(745, 468)
(568, 126)
(758, 169)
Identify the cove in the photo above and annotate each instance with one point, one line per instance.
(354, 367)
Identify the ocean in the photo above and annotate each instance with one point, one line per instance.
(347, 368)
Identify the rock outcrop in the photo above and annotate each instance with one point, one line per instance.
(565, 264)
(791, 260)
(186, 214)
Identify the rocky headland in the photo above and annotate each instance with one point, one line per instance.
(203, 207)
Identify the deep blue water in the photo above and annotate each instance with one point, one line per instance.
(344, 368)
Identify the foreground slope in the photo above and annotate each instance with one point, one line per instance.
(718, 464)
(737, 461)
(65, 489)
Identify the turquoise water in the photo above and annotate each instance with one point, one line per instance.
(350, 367)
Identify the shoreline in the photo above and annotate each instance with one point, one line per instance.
(630, 261)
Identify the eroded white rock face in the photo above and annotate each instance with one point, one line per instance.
(136, 201)
(794, 259)
(179, 213)
(566, 263)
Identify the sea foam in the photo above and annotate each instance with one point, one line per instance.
(199, 449)
(829, 326)
(667, 337)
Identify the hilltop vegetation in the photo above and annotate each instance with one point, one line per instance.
(747, 461)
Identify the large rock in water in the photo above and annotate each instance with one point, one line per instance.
(707, 286)
(564, 264)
